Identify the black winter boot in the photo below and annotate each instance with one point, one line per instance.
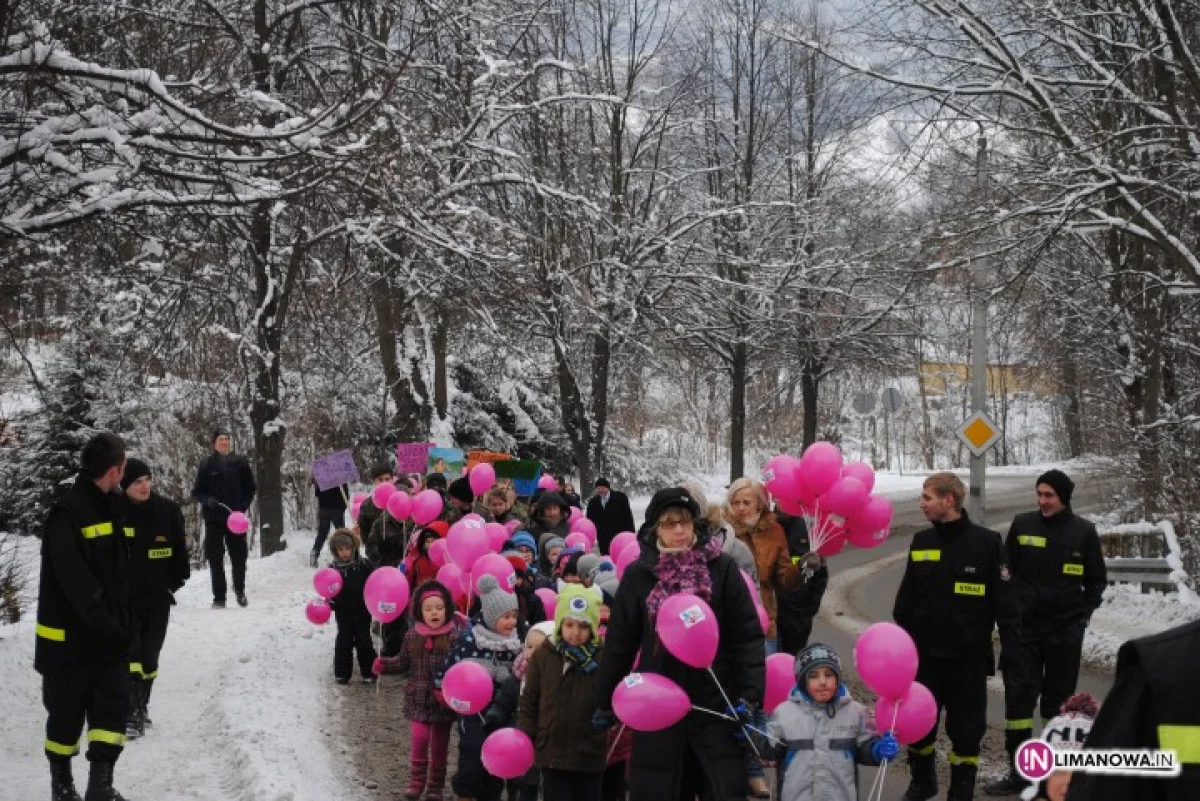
(62, 783)
(962, 783)
(147, 686)
(924, 777)
(100, 783)
(135, 726)
(1012, 784)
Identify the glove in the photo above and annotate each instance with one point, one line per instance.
(813, 560)
(441, 699)
(603, 719)
(403, 568)
(743, 711)
(493, 718)
(377, 666)
(885, 748)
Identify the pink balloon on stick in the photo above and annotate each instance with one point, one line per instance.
(381, 493)
(400, 505)
(619, 541)
(584, 526)
(427, 506)
(626, 557)
(914, 714)
(764, 619)
(437, 552)
(467, 688)
(318, 611)
(354, 509)
(781, 677)
(650, 702)
(386, 593)
(507, 753)
(497, 535)
(886, 659)
(358, 498)
(688, 629)
(791, 506)
(493, 564)
(512, 526)
(868, 527)
(845, 498)
(834, 543)
(466, 541)
(327, 582)
(780, 478)
(752, 586)
(547, 483)
(575, 514)
(238, 523)
(819, 469)
(450, 575)
(862, 471)
(481, 478)
(577, 539)
(549, 599)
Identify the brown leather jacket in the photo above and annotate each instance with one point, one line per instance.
(775, 569)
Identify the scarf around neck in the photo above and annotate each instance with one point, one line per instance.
(582, 657)
(489, 640)
(682, 572)
(430, 633)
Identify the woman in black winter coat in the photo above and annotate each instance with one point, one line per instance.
(702, 755)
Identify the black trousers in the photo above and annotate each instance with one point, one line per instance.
(570, 785)
(393, 635)
(794, 629)
(960, 688)
(97, 694)
(218, 538)
(472, 780)
(612, 788)
(1045, 669)
(149, 634)
(328, 519)
(353, 636)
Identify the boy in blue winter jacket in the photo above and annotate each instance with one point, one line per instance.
(828, 733)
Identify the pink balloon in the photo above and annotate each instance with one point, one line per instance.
(753, 587)
(791, 506)
(844, 499)
(354, 508)
(779, 476)
(512, 526)
(507, 753)
(437, 552)
(764, 618)
(688, 629)
(650, 702)
(781, 678)
(547, 483)
(573, 515)
(400, 505)
(917, 714)
(381, 493)
(466, 541)
(327, 582)
(451, 575)
(481, 478)
(886, 659)
(427, 506)
(238, 523)
(549, 599)
(868, 527)
(584, 526)
(478, 518)
(386, 594)
(835, 544)
(626, 557)
(493, 564)
(497, 535)
(578, 539)
(358, 498)
(318, 611)
(619, 541)
(862, 471)
(819, 469)
(467, 688)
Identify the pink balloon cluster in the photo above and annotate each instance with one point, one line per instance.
(886, 659)
(833, 497)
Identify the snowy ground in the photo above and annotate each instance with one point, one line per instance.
(239, 709)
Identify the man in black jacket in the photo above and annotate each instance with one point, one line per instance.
(159, 567)
(610, 511)
(83, 622)
(797, 609)
(956, 590)
(1059, 579)
(331, 515)
(224, 485)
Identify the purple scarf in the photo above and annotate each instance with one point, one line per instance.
(683, 572)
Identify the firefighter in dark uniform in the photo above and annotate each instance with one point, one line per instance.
(797, 609)
(1059, 578)
(83, 622)
(1152, 704)
(956, 590)
(158, 568)
(224, 485)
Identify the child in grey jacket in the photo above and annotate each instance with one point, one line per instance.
(823, 733)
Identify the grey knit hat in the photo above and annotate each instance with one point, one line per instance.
(587, 565)
(493, 601)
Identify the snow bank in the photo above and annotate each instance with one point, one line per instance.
(238, 709)
(1128, 614)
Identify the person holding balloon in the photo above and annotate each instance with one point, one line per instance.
(418, 564)
(714, 656)
(422, 654)
(224, 486)
(368, 511)
(493, 645)
(350, 610)
(823, 733)
(550, 518)
(955, 592)
(501, 501)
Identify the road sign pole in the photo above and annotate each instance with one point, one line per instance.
(977, 501)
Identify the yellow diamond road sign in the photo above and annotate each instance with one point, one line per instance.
(979, 433)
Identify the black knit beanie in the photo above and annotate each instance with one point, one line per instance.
(460, 490)
(134, 469)
(1062, 484)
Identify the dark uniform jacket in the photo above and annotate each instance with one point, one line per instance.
(332, 499)
(83, 597)
(159, 555)
(226, 480)
(555, 712)
(1058, 572)
(805, 601)
(1152, 704)
(610, 518)
(957, 588)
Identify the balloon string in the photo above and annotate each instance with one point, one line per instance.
(729, 705)
(876, 793)
(745, 726)
(616, 740)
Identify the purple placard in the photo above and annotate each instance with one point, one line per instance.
(412, 457)
(335, 469)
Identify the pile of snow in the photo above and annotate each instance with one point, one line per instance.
(239, 708)
(1128, 614)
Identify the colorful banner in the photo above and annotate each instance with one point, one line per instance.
(492, 457)
(412, 457)
(447, 461)
(523, 473)
(334, 470)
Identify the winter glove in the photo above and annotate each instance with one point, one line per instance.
(493, 718)
(403, 568)
(603, 719)
(743, 711)
(377, 666)
(885, 748)
(812, 561)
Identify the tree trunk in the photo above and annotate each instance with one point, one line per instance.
(737, 411)
(1072, 414)
(574, 415)
(810, 395)
(440, 388)
(601, 364)
(410, 413)
(268, 429)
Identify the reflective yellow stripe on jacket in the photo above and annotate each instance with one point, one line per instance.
(98, 530)
(105, 736)
(926, 556)
(1183, 740)
(49, 633)
(160, 553)
(1032, 541)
